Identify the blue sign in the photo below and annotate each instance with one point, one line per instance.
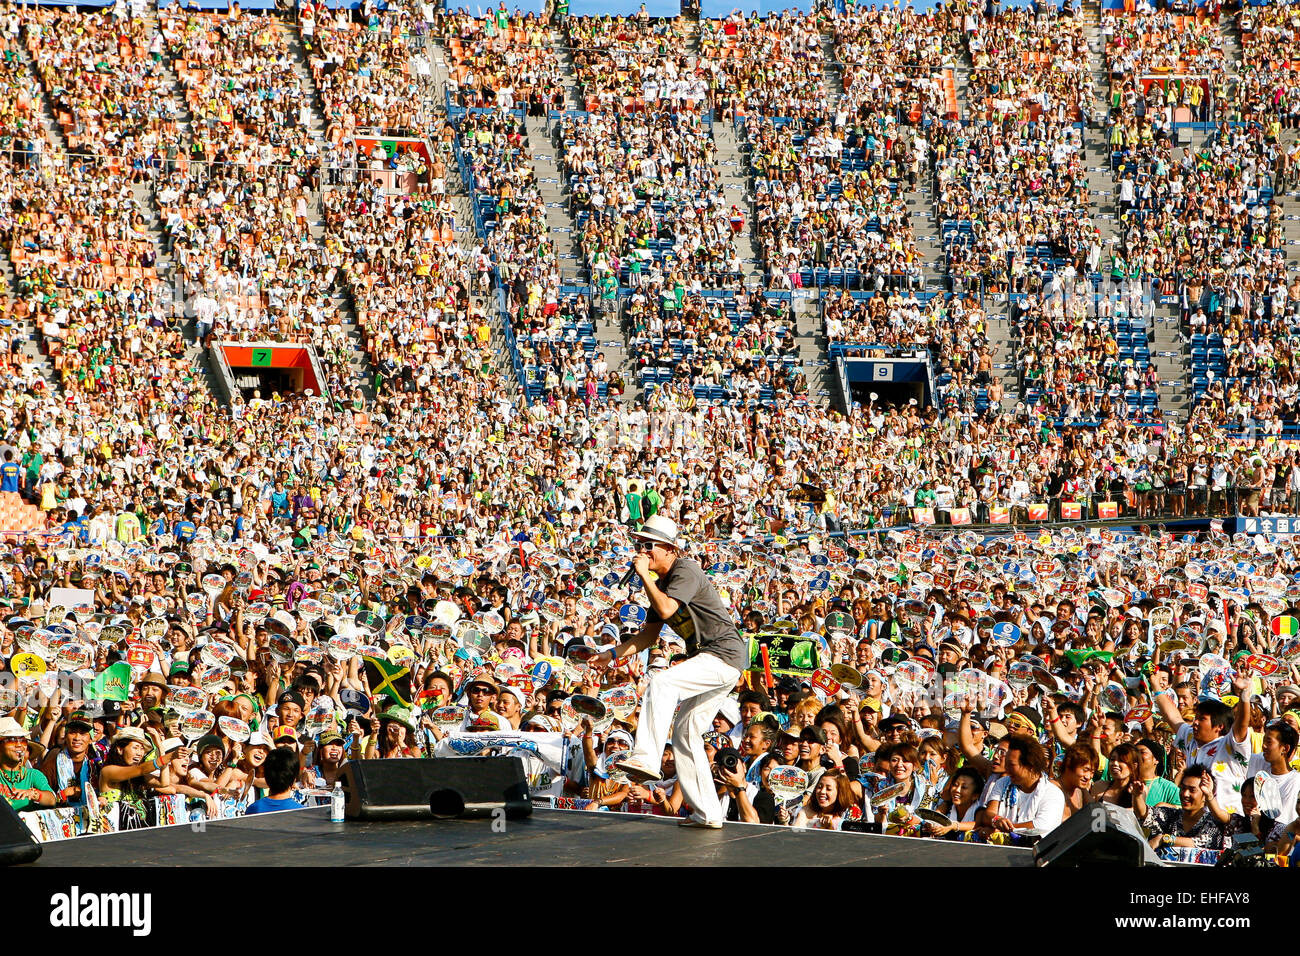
(1005, 634)
(1270, 524)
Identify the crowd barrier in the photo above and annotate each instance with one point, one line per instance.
(65, 823)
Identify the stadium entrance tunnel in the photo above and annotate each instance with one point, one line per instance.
(266, 368)
(897, 378)
(888, 394)
(266, 381)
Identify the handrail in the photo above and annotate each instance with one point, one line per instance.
(224, 375)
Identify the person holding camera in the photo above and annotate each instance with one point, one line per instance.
(742, 800)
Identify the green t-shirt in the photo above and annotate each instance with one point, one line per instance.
(25, 779)
(127, 527)
(1162, 790)
(33, 465)
(653, 500)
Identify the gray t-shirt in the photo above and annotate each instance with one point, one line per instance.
(702, 620)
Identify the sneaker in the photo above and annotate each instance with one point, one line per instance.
(699, 824)
(636, 771)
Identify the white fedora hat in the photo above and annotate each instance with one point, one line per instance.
(662, 529)
(11, 728)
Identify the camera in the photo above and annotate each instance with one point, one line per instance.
(728, 758)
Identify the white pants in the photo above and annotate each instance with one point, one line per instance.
(700, 685)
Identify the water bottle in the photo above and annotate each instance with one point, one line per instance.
(336, 803)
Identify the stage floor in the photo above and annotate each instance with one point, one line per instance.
(547, 838)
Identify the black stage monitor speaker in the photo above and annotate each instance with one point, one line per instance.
(440, 788)
(1100, 834)
(17, 845)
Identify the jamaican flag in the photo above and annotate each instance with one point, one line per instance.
(388, 679)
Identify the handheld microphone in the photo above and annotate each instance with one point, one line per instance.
(626, 579)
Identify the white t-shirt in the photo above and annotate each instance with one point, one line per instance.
(988, 793)
(1288, 784)
(1226, 757)
(1044, 805)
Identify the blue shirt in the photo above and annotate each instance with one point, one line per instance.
(267, 805)
(9, 476)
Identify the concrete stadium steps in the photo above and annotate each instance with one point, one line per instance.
(360, 371)
(166, 267)
(174, 81)
(459, 192)
(962, 67)
(145, 193)
(49, 119)
(545, 152)
(195, 355)
(146, 197)
(302, 68)
(1169, 350)
(1002, 338)
(921, 214)
(27, 333)
(734, 173)
(52, 157)
(832, 74)
(564, 53)
(1101, 184)
(1230, 28)
(1171, 355)
(814, 354)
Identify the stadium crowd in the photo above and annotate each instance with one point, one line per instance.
(222, 605)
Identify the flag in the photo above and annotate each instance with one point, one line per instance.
(999, 514)
(389, 679)
(1077, 657)
(1107, 510)
(1037, 512)
(1285, 626)
(1070, 511)
(959, 516)
(923, 515)
(113, 684)
(431, 698)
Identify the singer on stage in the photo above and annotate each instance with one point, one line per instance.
(685, 599)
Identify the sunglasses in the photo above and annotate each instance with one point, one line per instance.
(646, 546)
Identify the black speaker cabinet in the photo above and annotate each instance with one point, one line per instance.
(439, 788)
(17, 845)
(1100, 834)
